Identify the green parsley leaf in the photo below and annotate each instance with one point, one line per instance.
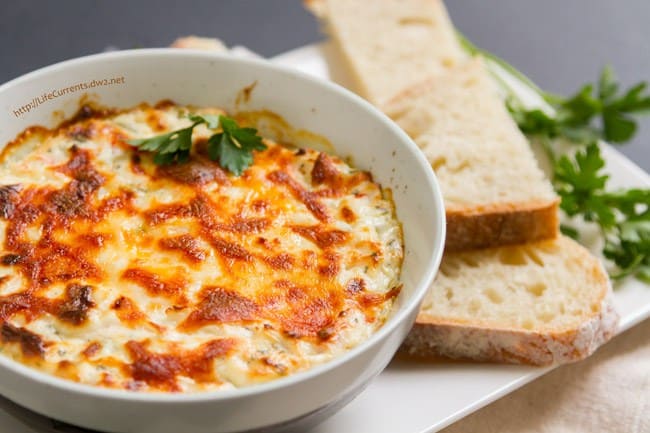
(579, 109)
(588, 115)
(633, 203)
(623, 216)
(534, 122)
(630, 249)
(607, 85)
(210, 120)
(569, 231)
(618, 127)
(232, 147)
(170, 147)
(577, 180)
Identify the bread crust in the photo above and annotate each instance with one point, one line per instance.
(501, 224)
(477, 225)
(433, 336)
(199, 43)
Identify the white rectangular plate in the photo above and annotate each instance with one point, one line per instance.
(412, 397)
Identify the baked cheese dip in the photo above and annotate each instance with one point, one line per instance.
(120, 272)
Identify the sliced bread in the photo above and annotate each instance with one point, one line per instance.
(494, 191)
(199, 43)
(541, 303)
(390, 44)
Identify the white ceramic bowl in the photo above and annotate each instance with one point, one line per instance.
(355, 129)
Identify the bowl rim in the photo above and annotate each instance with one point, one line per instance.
(431, 267)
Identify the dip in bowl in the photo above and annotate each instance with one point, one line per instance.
(288, 326)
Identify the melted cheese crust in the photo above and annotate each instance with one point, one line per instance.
(119, 273)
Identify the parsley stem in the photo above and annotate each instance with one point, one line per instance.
(493, 60)
(472, 49)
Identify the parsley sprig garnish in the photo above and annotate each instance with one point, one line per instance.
(596, 112)
(234, 146)
(623, 216)
(231, 144)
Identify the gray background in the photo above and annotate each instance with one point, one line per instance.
(560, 44)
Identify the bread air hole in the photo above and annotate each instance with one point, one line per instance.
(415, 21)
(415, 28)
(474, 306)
(513, 257)
(527, 324)
(471, 82)
(460, 167)
(448, 62)
(536, 289)
(439, 162)
(493, 296)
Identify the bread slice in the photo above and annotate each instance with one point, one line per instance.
(199, 43)
(541, 303)
(390, 44)
(494, 191)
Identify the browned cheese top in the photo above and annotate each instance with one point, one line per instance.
(121, 273)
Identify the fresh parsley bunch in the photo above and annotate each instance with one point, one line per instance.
(594, 113)
(623, 216)
(232, 145)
